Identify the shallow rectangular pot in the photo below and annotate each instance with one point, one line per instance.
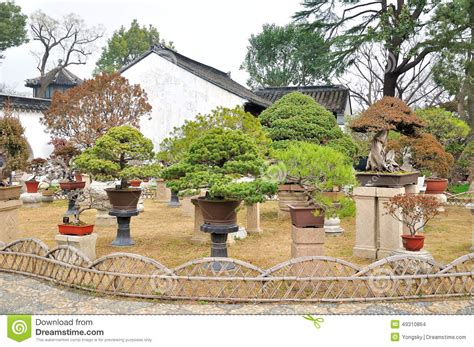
(303, 217)
(386, 179)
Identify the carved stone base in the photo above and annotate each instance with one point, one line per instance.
(9, 220)
(86, 244)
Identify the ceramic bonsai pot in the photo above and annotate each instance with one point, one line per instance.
(72, 185)
(32, 186)
(10, 193)
(303, 217)
(76, 230)
(387, 179)
(413, 243)
(78, 177)
(436, 185)
(124, 199)
(218, 212)
(134, 183)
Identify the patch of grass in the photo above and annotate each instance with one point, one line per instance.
(458, 188)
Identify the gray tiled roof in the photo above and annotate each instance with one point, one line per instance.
(63, 77)
(208, 73)
(332, 97)
(24, 103)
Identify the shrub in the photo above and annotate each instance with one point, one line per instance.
(61, 159)
(175, 147)
(36, 167)
(112, 153)
(297, 117)
(428, 155)
(465, 163)
(449, 130)
(216, 160)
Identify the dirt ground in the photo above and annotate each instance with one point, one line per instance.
(163, 233)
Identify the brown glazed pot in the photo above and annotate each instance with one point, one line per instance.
(72, 185)
(413, 243)
(303, 217)
(386, 179)
(218, 211)
(10, 193)
(436, 185)
(32, 186)
(124, 199)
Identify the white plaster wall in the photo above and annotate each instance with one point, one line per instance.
(35, 133)
(175, 94)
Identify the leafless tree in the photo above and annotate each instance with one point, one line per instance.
(416, 86)
(67, 41)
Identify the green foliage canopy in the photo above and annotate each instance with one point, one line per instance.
(216, 161)
(175, 147)
(13, 144)
(112, 153)
(12, 26)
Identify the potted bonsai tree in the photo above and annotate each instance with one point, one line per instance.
(415, 211)
(317, 169)
(386, 114)
(35, 168)
(13, 153)
(110, 158)
(62, 159)
(216, 162)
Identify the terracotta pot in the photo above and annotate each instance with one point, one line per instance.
(218, 211)
(385, 179)
(436, 185)
(124, 199)
(32, 186)
(10, 193)
(47, 192)
(72, 185)
(303, 217)
(134, 183)
(78, 177)
(77, 230)
(413, 243)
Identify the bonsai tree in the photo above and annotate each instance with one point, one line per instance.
(175, 147)
(61, 159)
(297, 117)
(387, 114)
(13, 144)
(316, 168)
(218, 161)
(36, 168)
(112, 153)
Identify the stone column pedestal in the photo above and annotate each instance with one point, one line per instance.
(187, 207)
(253, 219)
(377, 233)
(86, 244)
(471, 208)
(307, 242)
(9, 220)
(103, 219)
(162, 193)
(198, 236)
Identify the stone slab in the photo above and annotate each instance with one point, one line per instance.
(86, 244)
(253, 219)
(307, 235)
(306, 250)
(9, 220)
(31, 198)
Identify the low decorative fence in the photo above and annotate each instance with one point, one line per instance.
(307, 279)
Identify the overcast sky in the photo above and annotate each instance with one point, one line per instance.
(213, 32)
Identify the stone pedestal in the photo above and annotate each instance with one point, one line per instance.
(377, 233)
(415, 269)
(307, 242)
(31, 199)
(86, 244)
(162, 193)
(239, 235)
(253, 219)
(9, 220)
(199, 237)
(187, 207)
(471, 208)
(332, 226)
(103, 219)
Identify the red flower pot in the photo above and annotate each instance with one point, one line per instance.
(436, 185)
(72, 185)
(78, 177)
(32, 186)
(134, 183)
(413, 243)
(76, 230)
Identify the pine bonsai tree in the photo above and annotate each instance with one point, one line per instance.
(216, 161)
(112, 153)
(297, 117)
(386, 114)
